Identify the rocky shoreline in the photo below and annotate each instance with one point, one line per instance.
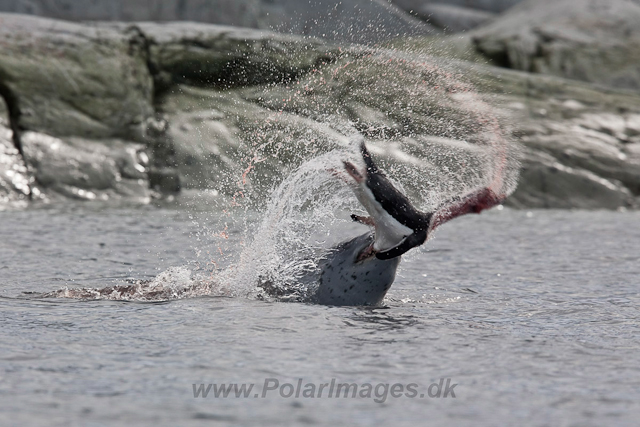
(112, 111)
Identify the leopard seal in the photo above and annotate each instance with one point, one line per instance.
(360, 271)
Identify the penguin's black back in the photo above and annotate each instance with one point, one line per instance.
(392, 200)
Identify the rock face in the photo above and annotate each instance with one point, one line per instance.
(596, 41)
(547, 183)
(85, 169)
(62, 81)
(578, 139)
(494, 6)
(71, 79)
(81, 98)
(112, 110)
(453, 18)
(456, 15)
(14, 180)
(416, 121)
(212, 55)
(360, 21)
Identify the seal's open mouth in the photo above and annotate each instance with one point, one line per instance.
(390, 212)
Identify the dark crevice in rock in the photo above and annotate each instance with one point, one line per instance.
(232, 73)
(230, 70)
(162, 173)
(497, 55)
(138, 42)
(11, 101)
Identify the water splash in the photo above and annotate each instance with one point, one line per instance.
(429, 129)
(174, 283)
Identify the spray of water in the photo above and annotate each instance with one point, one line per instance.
(430, 131)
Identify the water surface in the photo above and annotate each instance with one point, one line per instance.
(534, 315)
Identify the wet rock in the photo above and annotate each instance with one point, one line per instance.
(15, 183)
(50, 70)
(572, 129)
(371, 121)
(86, 169)
(633, 151)
(48, 73)
(4, 113)
(608, 123)
(632, 125)
(591, 40)
(14, 180)
(217, 136)
(249, 138)
(584, 128)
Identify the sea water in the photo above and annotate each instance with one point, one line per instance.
(528, 317)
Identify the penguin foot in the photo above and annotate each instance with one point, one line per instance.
(366, 220)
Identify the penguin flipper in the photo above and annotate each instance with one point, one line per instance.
(409, 242)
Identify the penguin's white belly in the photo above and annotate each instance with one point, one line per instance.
(389, 232)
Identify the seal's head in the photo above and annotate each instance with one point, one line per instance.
(399, 226)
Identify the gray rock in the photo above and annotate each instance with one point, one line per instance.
(203, 121)
(214, 137)
(587, 149)
(14, 180)
(494, 6)
(214, 55)
(633, 150)
(345, 21)
(166, 180)
(86, 169)
(71, 79)
(547, 183)
(583, 130)
(591, 40)
(453, 18)
(608, 123)
(583, 127)
(632, 125)
(4, 113)
(48, 72)
(246, 139)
